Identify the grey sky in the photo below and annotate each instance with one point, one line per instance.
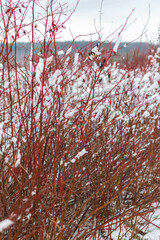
(115, 12)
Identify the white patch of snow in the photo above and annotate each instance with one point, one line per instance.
(1, 66)
(153, 231)
(146, 114)
(59, 88)
(1, 130)
(5, 224)
(18, 161)
(80, 154)
(69, 50)
(28, 216)
(6, 84)
(56, 78)
(39, 69)
(61, 52)
(33, 193)
(95, 67)
(76, 57)
(66, 61)
(14, 139)
(117, 43)
(96, 51)
(70, 114)
(49, 60)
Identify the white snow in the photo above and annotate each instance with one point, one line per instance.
(70, 114)
(1, 66)
(18, 161)
(49, 60)
(96, 51)
(28, 216)
(66, 61)
(146, 114)
(39, 69)
(80, 154)
(76, 57)
(6, 84)
(14, 139)
(69, 50)
(153, 232)
(73, 160)
(117, 43)
(5, 224)
(55, 79)
(1, 130)
(33, 193)
(61, 52)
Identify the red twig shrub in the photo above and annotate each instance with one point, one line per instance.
(79, 137)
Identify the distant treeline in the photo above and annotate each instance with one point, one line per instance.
(23, 49)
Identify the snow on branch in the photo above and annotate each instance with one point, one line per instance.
(5, 224)
(80, 154)
(117, 43)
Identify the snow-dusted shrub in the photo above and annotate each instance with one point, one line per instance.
(79, 139)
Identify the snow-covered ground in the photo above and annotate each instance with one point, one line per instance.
(152, 231)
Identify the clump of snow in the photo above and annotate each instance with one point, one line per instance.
(39, 69)
(96, 51)
(66, 61)
(80, 154)
(55, 79)
(49, 60)
(69, 50)
(61, 52)
(1, 130)
(117, 43)
(14, 139)
(40, 66)
(18, 161)
(76, 57)
(33, 192)
(6, 84)
(29, 216)
(146, 114)
(1, 66)
(70, 114)
(5, 224)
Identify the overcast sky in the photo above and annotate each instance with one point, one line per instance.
(86, 19)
